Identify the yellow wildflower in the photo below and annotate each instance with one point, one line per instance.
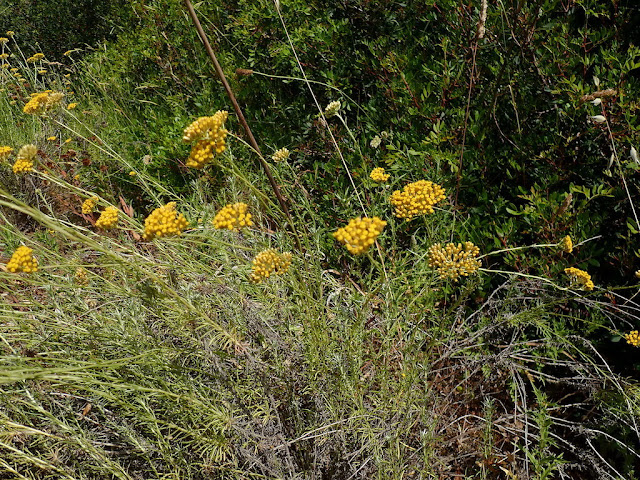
(5, 65)
(209, 136)
(80, 278)
(280, 155)
(52, 139)
(416, 198)
(378, 175)
(108, 218)
(164, 221)
(233, 217)
(4, 56)
(10, 33)
(71, 106)
(89, 204)
(269, 262)
(68, 140)
(579, 278)
(633, 338)
(41, 102)
(5, 152)
(332, 109)
(454, 261)
(25, 159)
(22, 261)
(360, 234)
(132, 173)
(68, 52)
(566, 245)
(42, 72)
(3, 40)
(13, 70)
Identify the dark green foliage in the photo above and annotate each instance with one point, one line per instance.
(56, 26)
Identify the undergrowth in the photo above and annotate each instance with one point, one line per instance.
(412, 353)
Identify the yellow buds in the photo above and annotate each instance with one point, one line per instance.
(233, 217)
(22, 261)
(416, 198)
(378, 175)
(269, 262)
(163, 222)
(360, 234)
(108, 218)
(453, 261)
(24, 160)
(579, 278)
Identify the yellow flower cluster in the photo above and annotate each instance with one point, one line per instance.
(269, 262)
(89, 204)
(566, 245)
(163, 222)
(579, 278)
(22, 261)
(378, 175)
(332, 109)
(209, 135)
(4, 56)
(233, 217)
(360, 233)
(5, 152)
(417, 198)
(81, 278)
(3, 40)
(633, 338)
(280, 155)
(454, 261)
(25, 158)
(108, 218)
(41, 102)
(35, 58)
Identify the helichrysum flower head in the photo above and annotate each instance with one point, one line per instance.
(579, 278)
(5, 152)
(71, 106)
(280, 155)
(360, 234)
(4, 56)
(10, 33)
(3, 40)
(22, 261)
(332, 109)
(108, 218)
(269, 262)
(41, 102)
(633, 338)
(233, 217)
(89, 204)
(209, 136)
(80, 277)
(35, 58)
(24, 160)
(417, 198)
(454, 261)
(378, 175)
(163, 222)
(566, 245)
